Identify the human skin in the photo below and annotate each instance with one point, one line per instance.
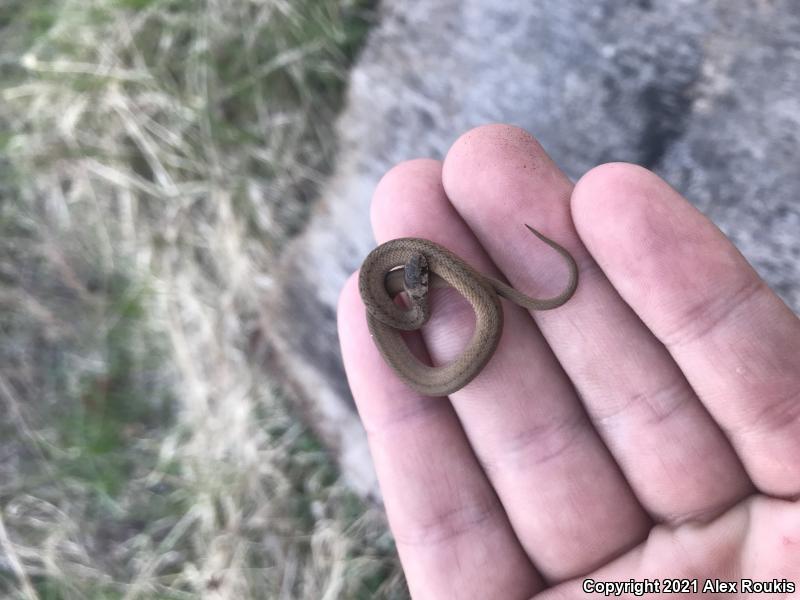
(648, 428)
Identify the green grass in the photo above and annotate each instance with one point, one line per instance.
(155, 157)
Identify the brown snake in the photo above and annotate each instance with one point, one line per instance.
(424, 264)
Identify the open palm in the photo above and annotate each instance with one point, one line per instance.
(648, 429)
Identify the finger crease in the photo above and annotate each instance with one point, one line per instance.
(776, 415)
(700, 319)
(446, 525)
(536, 445)
(425, 409)
(655, 406)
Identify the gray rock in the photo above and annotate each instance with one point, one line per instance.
(704, 92)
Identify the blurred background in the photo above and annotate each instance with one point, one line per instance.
(184, 186)
(155, 157)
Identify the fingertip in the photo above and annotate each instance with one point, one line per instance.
(401, 190)
(494, 161)
(614, 199)
(610, 177)
(500, 142)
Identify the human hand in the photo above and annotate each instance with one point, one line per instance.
(647, 429)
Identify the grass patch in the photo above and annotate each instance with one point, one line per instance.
(155, 156)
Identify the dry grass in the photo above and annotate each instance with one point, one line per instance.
(155, 155)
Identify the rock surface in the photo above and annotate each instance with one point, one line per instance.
(704, 92)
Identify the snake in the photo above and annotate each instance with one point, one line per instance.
(415, 266)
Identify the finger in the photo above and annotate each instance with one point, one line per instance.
(672, 453)
(452, 534)
(735, 341)
(564, 496)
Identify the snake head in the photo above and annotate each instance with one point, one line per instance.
(415, 278)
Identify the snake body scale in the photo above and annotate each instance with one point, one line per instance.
(423, 265)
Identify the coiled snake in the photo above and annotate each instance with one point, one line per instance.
(423, 265)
